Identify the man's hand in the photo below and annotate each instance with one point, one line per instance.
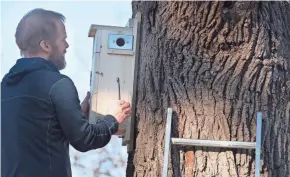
(123, 111)
(86, 105)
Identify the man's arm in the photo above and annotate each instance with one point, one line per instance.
(82, 135)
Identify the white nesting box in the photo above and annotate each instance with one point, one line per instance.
(113, 67)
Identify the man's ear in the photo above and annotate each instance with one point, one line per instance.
(45, 45)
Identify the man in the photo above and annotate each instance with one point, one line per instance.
(40, 110)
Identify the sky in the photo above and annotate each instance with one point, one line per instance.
(80, 15)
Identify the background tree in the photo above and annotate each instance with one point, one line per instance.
(216, 64)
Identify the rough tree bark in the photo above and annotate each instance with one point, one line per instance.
(216, 64)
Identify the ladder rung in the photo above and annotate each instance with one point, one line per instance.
(214, 143)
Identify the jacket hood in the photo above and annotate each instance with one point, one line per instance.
(26, 66)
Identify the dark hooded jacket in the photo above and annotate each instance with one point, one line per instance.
(40, 116)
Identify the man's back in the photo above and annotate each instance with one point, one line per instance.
(30, 129)
(40, 116)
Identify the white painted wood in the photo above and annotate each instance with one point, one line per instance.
(95, 78)
(111, 64)
(94, 28)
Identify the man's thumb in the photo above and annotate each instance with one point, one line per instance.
(88, 95)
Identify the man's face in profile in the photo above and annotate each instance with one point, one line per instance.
(59, 46)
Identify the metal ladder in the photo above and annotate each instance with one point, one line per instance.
(212, 143)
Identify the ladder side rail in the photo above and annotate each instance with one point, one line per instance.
(258, 144)
(167, 142)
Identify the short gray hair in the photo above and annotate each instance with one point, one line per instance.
(35, 26)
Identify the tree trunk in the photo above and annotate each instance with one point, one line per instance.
(217, 64)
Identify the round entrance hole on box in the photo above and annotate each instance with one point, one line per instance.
(120, 42)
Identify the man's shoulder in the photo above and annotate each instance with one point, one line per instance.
(63, 80)
(52, 76)
(46, 79)
(63, 88)
(59, 80)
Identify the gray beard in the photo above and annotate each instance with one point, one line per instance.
(59, 62)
